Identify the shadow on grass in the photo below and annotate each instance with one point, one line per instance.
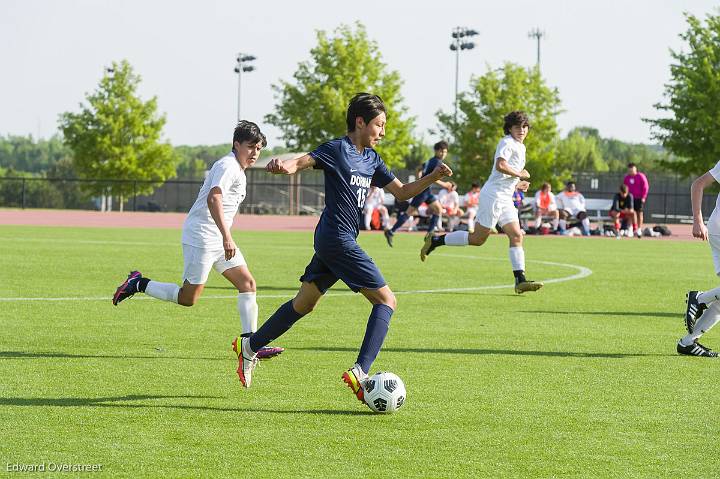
(502, 352)
(655, 314)
(45, 355)
(121, 402)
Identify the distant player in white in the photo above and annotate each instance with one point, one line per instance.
(206, 239)
(496, 204)
(703, 308)
(450, 201)
(572, 203)
(374, 201)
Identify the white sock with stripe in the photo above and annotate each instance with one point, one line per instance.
(709, 318)
(164, 291)
(248, 309)
(708, 297)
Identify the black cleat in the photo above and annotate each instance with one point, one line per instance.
(128, 288)
(429, 245)
(696, 349)
(389, 237)
(694, 310)
(525, 285)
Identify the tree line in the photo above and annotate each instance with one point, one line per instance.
(117, 135)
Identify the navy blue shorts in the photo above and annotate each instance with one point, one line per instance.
(348, 263)
(425, 197)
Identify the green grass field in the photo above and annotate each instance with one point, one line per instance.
(578, 380)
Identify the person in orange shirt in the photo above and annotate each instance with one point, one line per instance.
(545, 206)
(472, 199)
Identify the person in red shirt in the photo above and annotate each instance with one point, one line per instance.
(638, 187)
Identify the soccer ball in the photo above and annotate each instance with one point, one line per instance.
(384, 392)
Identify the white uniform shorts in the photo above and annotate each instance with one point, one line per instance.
(574, 211)
(198, 262)
(496, 211)
(714, 241)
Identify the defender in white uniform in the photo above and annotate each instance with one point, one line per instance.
(703, 307)
(496, 206)
(206, 239)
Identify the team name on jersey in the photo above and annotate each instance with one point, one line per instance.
(356, 180)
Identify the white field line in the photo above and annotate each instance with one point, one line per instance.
(581, 272)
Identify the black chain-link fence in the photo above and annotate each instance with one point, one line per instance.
(668, 200)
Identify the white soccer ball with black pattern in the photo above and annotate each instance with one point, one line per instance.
(384, 392)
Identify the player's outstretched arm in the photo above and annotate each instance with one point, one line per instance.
(696, 193)
(504, 167)
(290, 167)
(406, 191)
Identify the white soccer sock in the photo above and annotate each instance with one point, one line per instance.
(368, 218)
(456, 238)
(555, 223)
(538, 222)
(586, 224)
(709, 296)
(709, 318)
(563, 224)
(164, 291)
(517, 258)
(248, 309)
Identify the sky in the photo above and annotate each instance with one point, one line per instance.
(608, 59)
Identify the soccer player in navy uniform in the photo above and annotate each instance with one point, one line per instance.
(351, 167)
(426, 196)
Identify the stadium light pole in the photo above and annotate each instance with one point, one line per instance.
(241, 66)
(537, 34)
(459, 34)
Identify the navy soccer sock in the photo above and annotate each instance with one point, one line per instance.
(281, 321)
(434, 222)
(401, 219)
(377, 328)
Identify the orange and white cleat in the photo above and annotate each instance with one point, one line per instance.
(247, 360)
(355, 379)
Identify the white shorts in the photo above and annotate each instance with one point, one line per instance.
(574, 211)
(714, 241)
(198, 262)
(496, 211)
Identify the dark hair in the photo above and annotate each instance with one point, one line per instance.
(475, 185)
(632, 165)
(250, 132)
(515, 118)
(571, 182)
(366, 106)
(544, 185)
(441, 145)
(624, 188)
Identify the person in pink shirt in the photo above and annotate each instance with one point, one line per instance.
(638, 186)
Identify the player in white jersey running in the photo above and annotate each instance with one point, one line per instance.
(703, 307)
(206, 239)
(496, 203)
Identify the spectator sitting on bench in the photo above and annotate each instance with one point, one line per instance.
(622, 211)
(571, 203)
(472, 199)
(374, 201)
(450, 201)
(546, 206)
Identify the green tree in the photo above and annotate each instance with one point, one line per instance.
(693, 94)
(312, 110)
(116, 136)
(578, 151)
(479, 124)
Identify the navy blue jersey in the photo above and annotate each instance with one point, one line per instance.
(348, 178)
